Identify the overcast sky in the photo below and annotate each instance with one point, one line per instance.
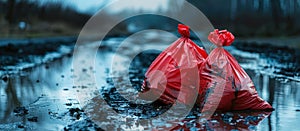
(91, 6)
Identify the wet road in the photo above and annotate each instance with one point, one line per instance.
(52, 96)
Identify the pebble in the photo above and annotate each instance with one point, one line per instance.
(5, 78)
(33, 119)
(68, 104)
(20, 111)
(20, 126)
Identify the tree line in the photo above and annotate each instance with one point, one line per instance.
(14, 11)
(242, 17)
(253, 17)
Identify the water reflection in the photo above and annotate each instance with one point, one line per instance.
(284, 96)
(34, 90)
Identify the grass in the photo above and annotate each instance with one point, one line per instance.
(37, 29)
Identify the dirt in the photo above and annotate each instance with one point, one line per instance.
(20, 54)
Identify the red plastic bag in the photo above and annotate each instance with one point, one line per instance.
(228, 85)
(176, 70)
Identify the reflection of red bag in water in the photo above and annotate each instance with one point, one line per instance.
(228, 85)
(176, 70)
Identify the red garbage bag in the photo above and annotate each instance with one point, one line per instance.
(228, 86)
(174, 74)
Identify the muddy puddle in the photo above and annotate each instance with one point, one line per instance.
(90, 95)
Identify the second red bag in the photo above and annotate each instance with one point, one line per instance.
(227, 85)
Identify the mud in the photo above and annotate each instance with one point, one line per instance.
(44, 96)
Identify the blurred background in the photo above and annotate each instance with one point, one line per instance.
(37, 39)
(245, 18)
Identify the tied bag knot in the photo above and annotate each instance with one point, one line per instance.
(184, 30)
(221, 38)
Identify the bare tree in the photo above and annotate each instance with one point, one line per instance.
(10, 11)
(277, 12)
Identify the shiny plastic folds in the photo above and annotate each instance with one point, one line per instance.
(228, 86)
(174, 74)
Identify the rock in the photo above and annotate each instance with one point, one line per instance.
(83, 125)
(20, 126)
(5, 78)
(76, 112)
(33, 119)
(68, 104)
(20, 111)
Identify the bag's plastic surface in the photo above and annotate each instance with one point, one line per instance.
(176, 70)
(229, 86)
